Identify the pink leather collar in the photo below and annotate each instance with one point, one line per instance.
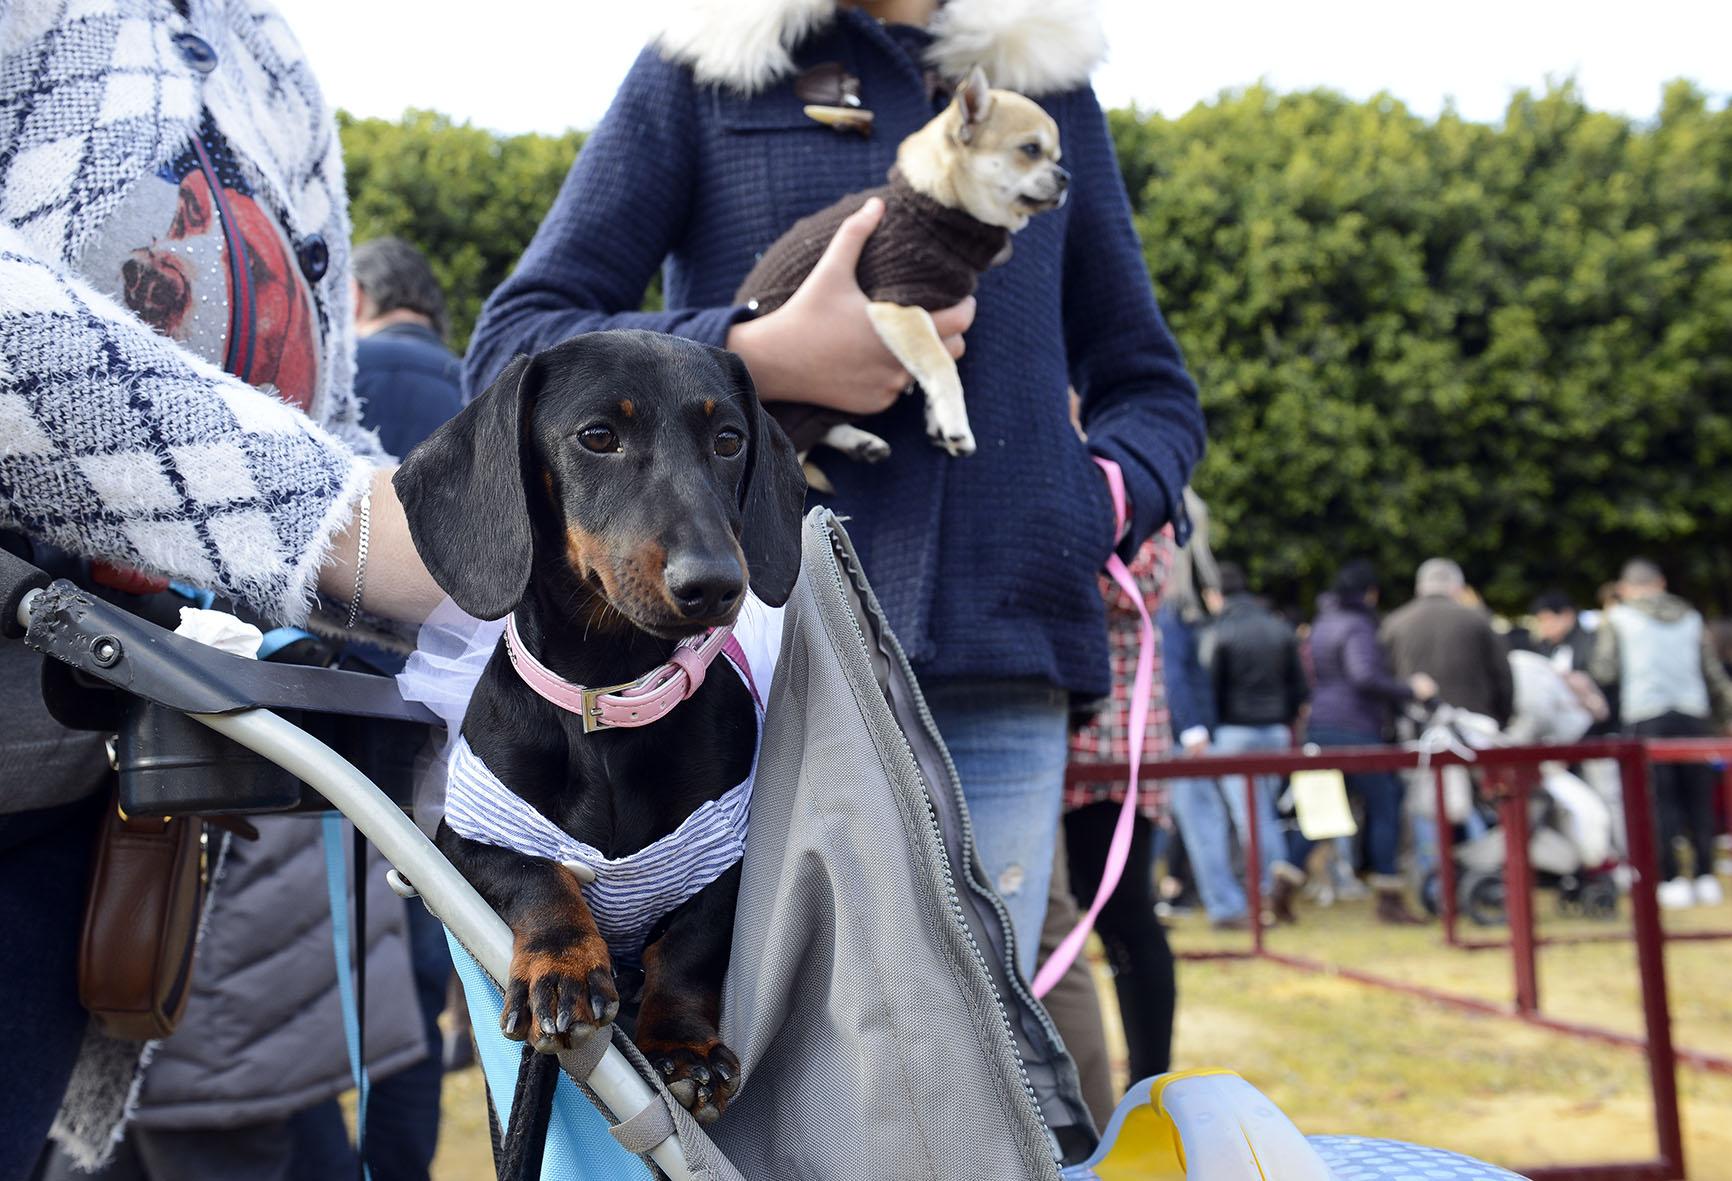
(634, 703)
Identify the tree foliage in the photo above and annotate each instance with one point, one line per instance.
(1510, 344)
(470, 199)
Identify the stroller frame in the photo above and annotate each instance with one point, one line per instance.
(232, 696)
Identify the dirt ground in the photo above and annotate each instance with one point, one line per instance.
(1341, 1057)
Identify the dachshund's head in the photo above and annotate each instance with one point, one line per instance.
(639, 465)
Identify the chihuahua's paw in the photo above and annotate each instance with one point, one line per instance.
(947, 426)
(703, 1077)
(559, 996)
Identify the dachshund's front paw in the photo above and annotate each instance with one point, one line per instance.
(703, 1077)
(561, 992)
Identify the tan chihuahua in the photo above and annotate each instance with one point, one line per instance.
(962, 185)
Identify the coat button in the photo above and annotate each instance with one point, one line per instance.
(196, 51)
(315, 257)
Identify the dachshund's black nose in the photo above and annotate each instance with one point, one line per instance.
(1060, 179)
(703, 587)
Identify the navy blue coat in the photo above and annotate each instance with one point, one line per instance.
(1190, 694)
(986, 565)
(409, 383)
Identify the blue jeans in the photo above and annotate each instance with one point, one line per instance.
(1010, 741)
(1237, 740)
(1201, 815)
(44, 866)
(1381, 792)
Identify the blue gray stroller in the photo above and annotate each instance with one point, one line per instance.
(880, 1030)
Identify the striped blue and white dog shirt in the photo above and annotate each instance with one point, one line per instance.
(629, 894)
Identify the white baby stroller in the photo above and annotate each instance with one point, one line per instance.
(881, 1032)
(1570, 846)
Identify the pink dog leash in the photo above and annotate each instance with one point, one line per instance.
(1119, 851)
(633, 703)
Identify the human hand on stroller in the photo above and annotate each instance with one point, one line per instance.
(1424, 688)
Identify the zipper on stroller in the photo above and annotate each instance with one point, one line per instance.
(893, 651)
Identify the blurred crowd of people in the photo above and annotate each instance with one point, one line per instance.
(1240, 676)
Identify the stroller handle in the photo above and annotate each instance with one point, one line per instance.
(19, 582)
(446, 892)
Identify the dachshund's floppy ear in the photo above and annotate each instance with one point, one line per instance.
(462, 490)
(771, 498)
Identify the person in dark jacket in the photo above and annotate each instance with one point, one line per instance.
(705, 158)
(1559, 635)
(1352, 704)
(1199, 809)
(408, 381)
(1260, 693)
(1451, 643)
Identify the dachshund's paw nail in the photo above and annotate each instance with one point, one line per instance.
(603, 997)
(513, 1018)
(703, 1077)
(564, 1023)
(549, 1027)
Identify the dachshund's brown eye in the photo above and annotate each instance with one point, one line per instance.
(599, 439)
(728, 443)
(1032, 150)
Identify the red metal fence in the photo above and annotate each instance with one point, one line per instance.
(1511, 776)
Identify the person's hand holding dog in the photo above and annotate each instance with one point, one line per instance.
(821, 348)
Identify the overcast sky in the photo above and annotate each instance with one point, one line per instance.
(528, 66)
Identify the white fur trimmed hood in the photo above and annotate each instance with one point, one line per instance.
(1032, 46)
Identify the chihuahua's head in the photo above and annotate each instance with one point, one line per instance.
(992, 153)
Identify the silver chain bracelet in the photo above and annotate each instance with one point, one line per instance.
(361, 555)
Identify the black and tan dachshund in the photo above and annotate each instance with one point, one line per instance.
(615, 493)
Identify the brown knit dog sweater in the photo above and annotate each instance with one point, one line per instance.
(923, 254)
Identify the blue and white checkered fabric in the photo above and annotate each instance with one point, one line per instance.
(1355, 1158)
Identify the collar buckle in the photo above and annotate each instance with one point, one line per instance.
(593, 716)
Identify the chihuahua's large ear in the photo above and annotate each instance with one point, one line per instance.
(772, 497)
(974, 102)
(462, 490)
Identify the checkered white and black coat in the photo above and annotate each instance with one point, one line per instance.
(114, 441)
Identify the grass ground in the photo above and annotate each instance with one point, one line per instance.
(1341, 1057)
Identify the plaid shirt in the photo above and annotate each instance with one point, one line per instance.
(1107, 739)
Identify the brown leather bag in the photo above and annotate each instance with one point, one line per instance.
(141, 919)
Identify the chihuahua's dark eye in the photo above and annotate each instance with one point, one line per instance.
(1032, 150)
(599, 439)
(728, 443)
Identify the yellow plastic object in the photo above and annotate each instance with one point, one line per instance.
(1204, 1125)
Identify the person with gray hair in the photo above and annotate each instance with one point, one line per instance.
(408, 381)
(1439, 576)
(1654, 652)
(1452, 643)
